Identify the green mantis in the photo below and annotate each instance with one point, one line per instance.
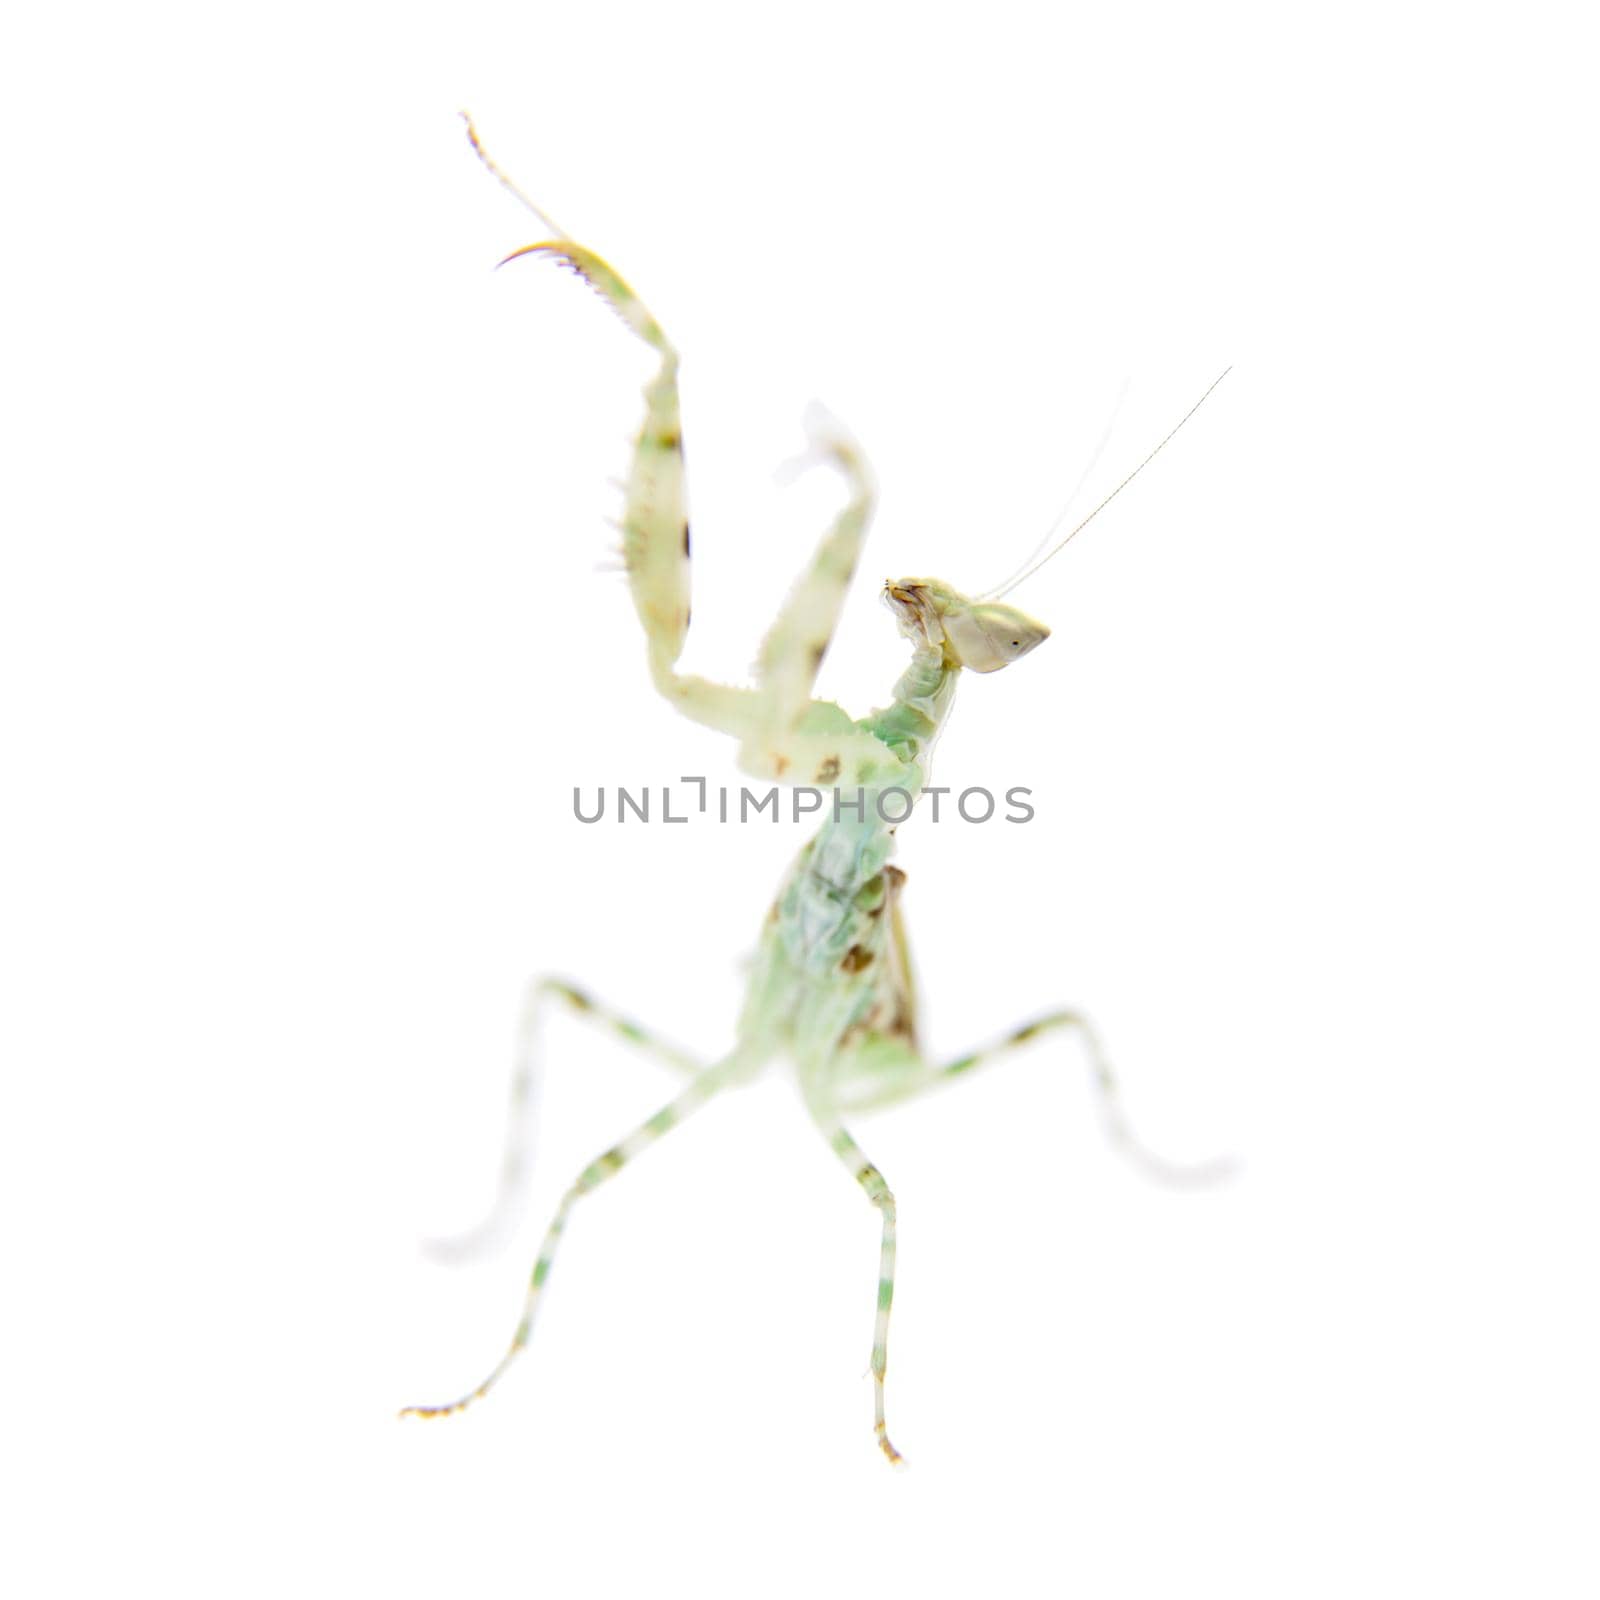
(831, 985)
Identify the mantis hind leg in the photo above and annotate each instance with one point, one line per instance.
(878, 1192)
(516, 1159)
(604, 1167)
(880, 1070)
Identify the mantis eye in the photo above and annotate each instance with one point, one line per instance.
(986, 637)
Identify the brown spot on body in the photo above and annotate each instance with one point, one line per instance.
(829, 770)
(686, 539)
(856, 959)
(883, 889)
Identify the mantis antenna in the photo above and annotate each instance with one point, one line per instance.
(1031, 566)
(556, 230)
(1077, 488)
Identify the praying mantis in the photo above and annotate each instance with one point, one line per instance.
(831, 986)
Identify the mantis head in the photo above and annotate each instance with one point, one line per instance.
(981, 635)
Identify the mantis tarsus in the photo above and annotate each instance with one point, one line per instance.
(830, 986)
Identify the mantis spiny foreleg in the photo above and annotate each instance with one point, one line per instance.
(782, 733)
(655, 521)
(795, 644)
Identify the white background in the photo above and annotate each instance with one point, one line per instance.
(305, 646)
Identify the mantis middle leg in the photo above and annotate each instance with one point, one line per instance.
(888, 1082)
(517, 1156)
